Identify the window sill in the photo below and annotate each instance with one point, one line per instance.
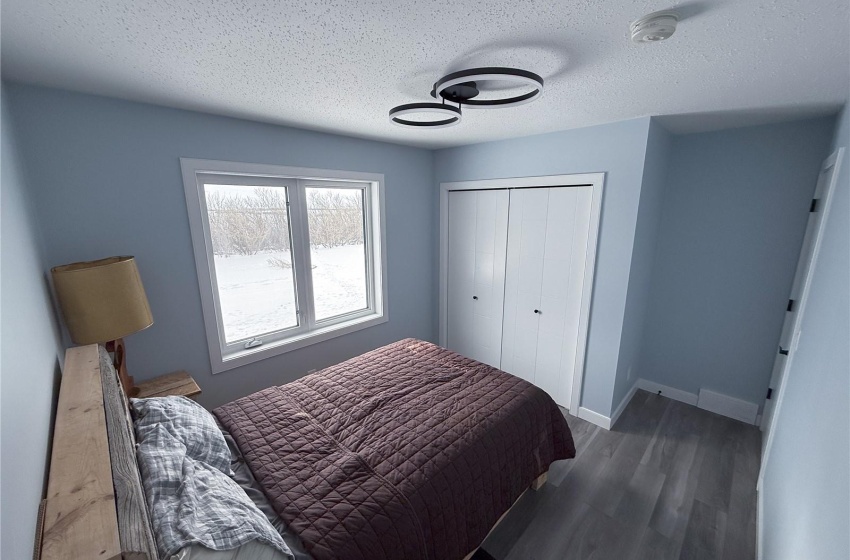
(244, 357)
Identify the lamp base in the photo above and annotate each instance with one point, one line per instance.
(120, 362)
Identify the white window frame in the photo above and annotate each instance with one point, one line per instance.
(225, 356)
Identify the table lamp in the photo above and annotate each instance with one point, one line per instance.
(102, 302)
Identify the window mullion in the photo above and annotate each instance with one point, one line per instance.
(369, 241)
(301, 256)
(374, 244)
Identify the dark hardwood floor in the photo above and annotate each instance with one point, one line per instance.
(670, 481)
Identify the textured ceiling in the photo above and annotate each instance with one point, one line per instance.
(340, 65)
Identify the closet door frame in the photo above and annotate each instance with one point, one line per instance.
(594, 180)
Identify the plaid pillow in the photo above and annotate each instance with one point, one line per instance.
(193, 503)
(189, 423)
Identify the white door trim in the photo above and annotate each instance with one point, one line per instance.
(596, 181)
(834, 160)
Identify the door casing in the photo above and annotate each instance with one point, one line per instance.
(833, 162)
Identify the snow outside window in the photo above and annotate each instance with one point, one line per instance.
(284, 260)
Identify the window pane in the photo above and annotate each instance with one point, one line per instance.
(249, 227)
(337, 250)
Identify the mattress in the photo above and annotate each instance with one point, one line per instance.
(409, 451)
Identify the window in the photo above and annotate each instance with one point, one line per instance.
(286, 257)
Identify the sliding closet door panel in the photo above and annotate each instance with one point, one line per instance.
(560, 303)
(460, 274)
(546, 261)
(560, 227)
(478, 222)
(575, 290)
(550, 339)
(491, 231)
(509, 323)
(532, 238)
(523, 280)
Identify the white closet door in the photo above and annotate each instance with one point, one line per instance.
(547, 256)
(524, 280)
(478, 225)
(563, 282)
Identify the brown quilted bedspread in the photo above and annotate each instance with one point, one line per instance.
(409, 451)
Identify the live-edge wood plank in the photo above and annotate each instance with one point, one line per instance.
(134, 530)
(80, 518)
(178, 383)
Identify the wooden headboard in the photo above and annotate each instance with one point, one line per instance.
(95, 506)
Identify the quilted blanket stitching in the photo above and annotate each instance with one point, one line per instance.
(404, 438)
(359, 458)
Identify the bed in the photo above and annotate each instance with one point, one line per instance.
(409, 451)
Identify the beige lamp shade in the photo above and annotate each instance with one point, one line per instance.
(102, 300)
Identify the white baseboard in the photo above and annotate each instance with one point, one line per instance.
(724, 405)
(594, 418)
(670, 392)
(739, 409)
(623, 404)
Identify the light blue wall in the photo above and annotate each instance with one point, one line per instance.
(655, 168)
(106, 179)
(618, 150)
(732, 224)
(698, 243)
(806, 488)
(29, 354)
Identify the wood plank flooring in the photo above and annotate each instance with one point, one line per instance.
(669, 482)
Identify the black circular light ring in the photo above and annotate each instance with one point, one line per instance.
(453, 112)
(492, 73)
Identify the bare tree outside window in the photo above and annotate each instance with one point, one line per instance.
(250, 233)
(247, 223)
(249, 229)
(337, 250)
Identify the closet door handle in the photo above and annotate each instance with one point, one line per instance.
(537, 311)
(474, 297)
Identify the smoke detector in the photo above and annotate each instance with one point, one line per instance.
(654, 27)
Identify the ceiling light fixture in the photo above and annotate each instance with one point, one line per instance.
(452, 115)
(654, 27)
(462, 87)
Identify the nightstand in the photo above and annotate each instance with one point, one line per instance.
(179, 383)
